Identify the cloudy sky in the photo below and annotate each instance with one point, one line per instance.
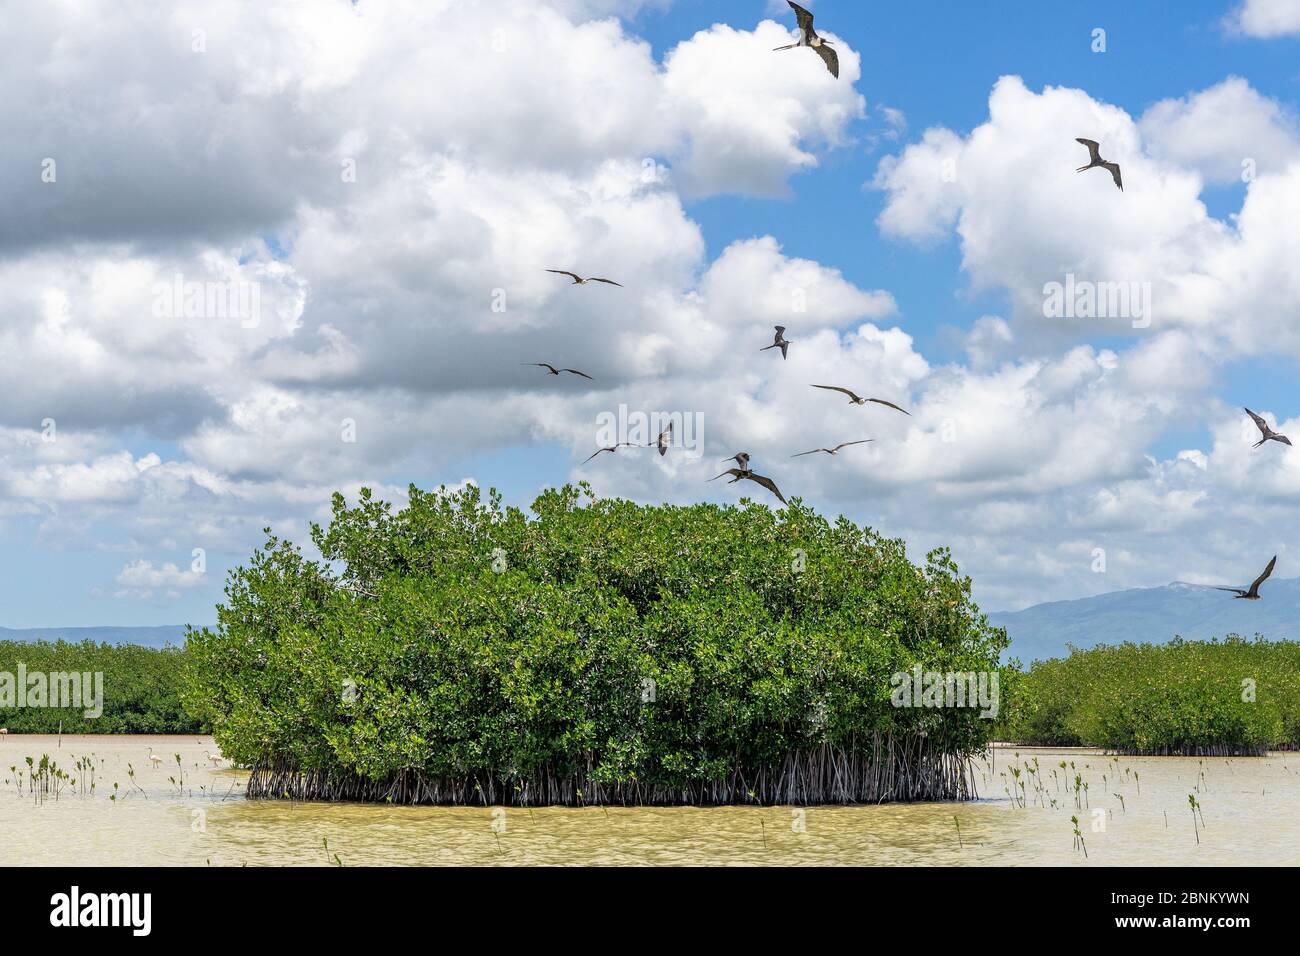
(251, 253)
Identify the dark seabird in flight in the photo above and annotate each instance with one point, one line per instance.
(1252, 593)
(665, 437)
(579, 280)
(612, 448)
(1096, 162)
(855, 399)
(1267, 432)
(835, 450)
(779, 342)
(739, 473)
(556, 371)
(808, 37)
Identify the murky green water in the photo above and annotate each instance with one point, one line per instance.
(1251, 809)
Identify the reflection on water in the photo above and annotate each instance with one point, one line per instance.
(1251, 809)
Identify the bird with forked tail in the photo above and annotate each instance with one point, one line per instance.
(779, 342)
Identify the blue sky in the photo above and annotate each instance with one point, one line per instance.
(256, 419)
(936, 61)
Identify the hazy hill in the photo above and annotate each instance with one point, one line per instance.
(160, 636)
(1150, 614)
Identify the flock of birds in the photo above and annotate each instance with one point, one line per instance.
(742, 471)
(808, 38)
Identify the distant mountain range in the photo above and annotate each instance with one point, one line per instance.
(1152, 615)
(160, 636)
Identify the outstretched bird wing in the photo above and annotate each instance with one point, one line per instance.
(1094, 148)
(1263, 425)
(1114, 171)
(1254, 586)
(813, 452)
(836, 388)
(730, 471)
(607, 281)
(802, 16)
(846, 444)
(572, 275)
(785, 346)
(541, 365)
(1233, 590)
(767, 483)
(833, 62)
(1282, 438)
(881, 401)
(576, 372)
(611, 448)
(662, 440)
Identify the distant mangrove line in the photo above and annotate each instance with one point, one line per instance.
(1194, 698)
(596, 651)
(139, 689)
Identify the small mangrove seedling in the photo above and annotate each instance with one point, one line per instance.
(1078, 837)
(1120, 798)
(958, 823)
(335, 860)
(1191, 800)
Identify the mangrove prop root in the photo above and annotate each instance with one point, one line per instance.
(889, 770)
(1198, 750)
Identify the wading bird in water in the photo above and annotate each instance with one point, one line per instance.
(1097, 162)
(579, 280)
(779, 342)
(855, 399)
(556, 371)
(613, 448)
(835, 450)
(1267, 432)
(739, 473)
(808, 37)
(1252, 593)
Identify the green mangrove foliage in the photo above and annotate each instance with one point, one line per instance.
(139, 689)
(598, 651)
(1185, 697)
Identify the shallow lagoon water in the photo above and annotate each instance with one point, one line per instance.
(1251, 808)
